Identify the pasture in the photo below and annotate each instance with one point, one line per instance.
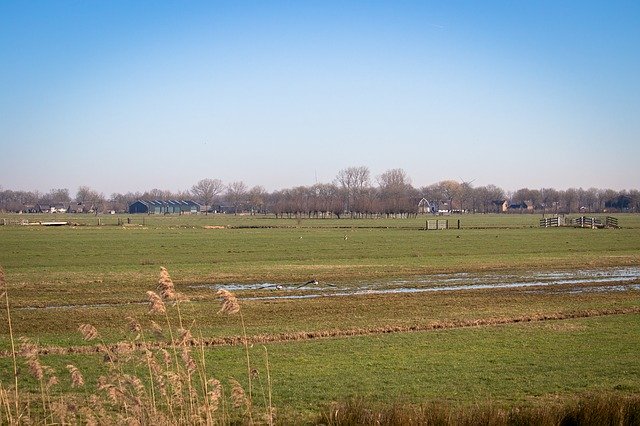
(504, 345)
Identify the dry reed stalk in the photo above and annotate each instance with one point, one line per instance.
(230, 304)
(271, 413)
(157, 330)
(88, 331)
(76, 377)
(134, 327)
(89, 417)
(165, 285)
(166, 357)
(5, 293)
(188, 361)
(185, 338)
(177, 397)
(156, 305)
(29, 351)
(214, 395)
(238, 396)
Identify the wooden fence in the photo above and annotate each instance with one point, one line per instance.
(433, 224)
(548, 222)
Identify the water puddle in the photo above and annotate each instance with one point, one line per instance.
(566, 282)
(575, 279)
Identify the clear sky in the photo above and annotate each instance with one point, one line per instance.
(133, 95)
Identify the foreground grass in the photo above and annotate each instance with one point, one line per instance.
(503, 366)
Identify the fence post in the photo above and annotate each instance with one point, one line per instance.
(458, 223)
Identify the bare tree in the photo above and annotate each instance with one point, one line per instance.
(395, 186)
(206, 190)
(257, 198)
(91, 198)
(236, 195)
(449, 190)
(490, 195)
(353, 180)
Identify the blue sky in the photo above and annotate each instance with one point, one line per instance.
(127, 96)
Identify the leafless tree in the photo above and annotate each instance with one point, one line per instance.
(395, 186)
(91, 198)
(206, 190)
(353, 181)
(257, 198)
(237, 195)
(449, 190)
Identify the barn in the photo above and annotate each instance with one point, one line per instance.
(164, 207)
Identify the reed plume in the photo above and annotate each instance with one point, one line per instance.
(165, 285)
(29, 351)
(230, 304)
(214, 394)
(88, 331)
(134, 327)
(156, 329)
(187, 359)
(76, 377)
(184, 337)
(156, 305)
(238, 397)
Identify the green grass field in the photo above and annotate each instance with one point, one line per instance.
(527, 347)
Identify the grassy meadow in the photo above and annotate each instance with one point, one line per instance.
(505, 347)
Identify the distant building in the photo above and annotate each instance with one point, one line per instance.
(521, 206)
(501, 206)
(164, 207)
(425, 206)
(50, 208)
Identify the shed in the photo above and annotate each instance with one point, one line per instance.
(164, 207)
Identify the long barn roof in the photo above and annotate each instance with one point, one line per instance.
(168, 202)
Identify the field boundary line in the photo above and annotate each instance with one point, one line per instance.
(127, 347)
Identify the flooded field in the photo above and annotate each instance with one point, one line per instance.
(568, 281)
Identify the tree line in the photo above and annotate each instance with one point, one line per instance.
(353, 193)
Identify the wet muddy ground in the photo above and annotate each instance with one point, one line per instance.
(568, 281)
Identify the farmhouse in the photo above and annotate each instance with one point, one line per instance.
(521, 206)
(425, 206)
(50, 208)
(164, 207)
(501, 206)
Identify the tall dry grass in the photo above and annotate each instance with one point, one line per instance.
(145, 383)
(588, 410)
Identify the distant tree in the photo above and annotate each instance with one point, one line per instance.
(530, 197)
(353, 181)
(490, 197)
(466, 194)
(206, 190)
(395, 191)
(449, 190)
(59, 195)
(257, 198)
(550, 200)
(570, 200)
(91, 198)
(236, 195)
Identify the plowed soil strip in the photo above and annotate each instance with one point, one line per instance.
(126, 347)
